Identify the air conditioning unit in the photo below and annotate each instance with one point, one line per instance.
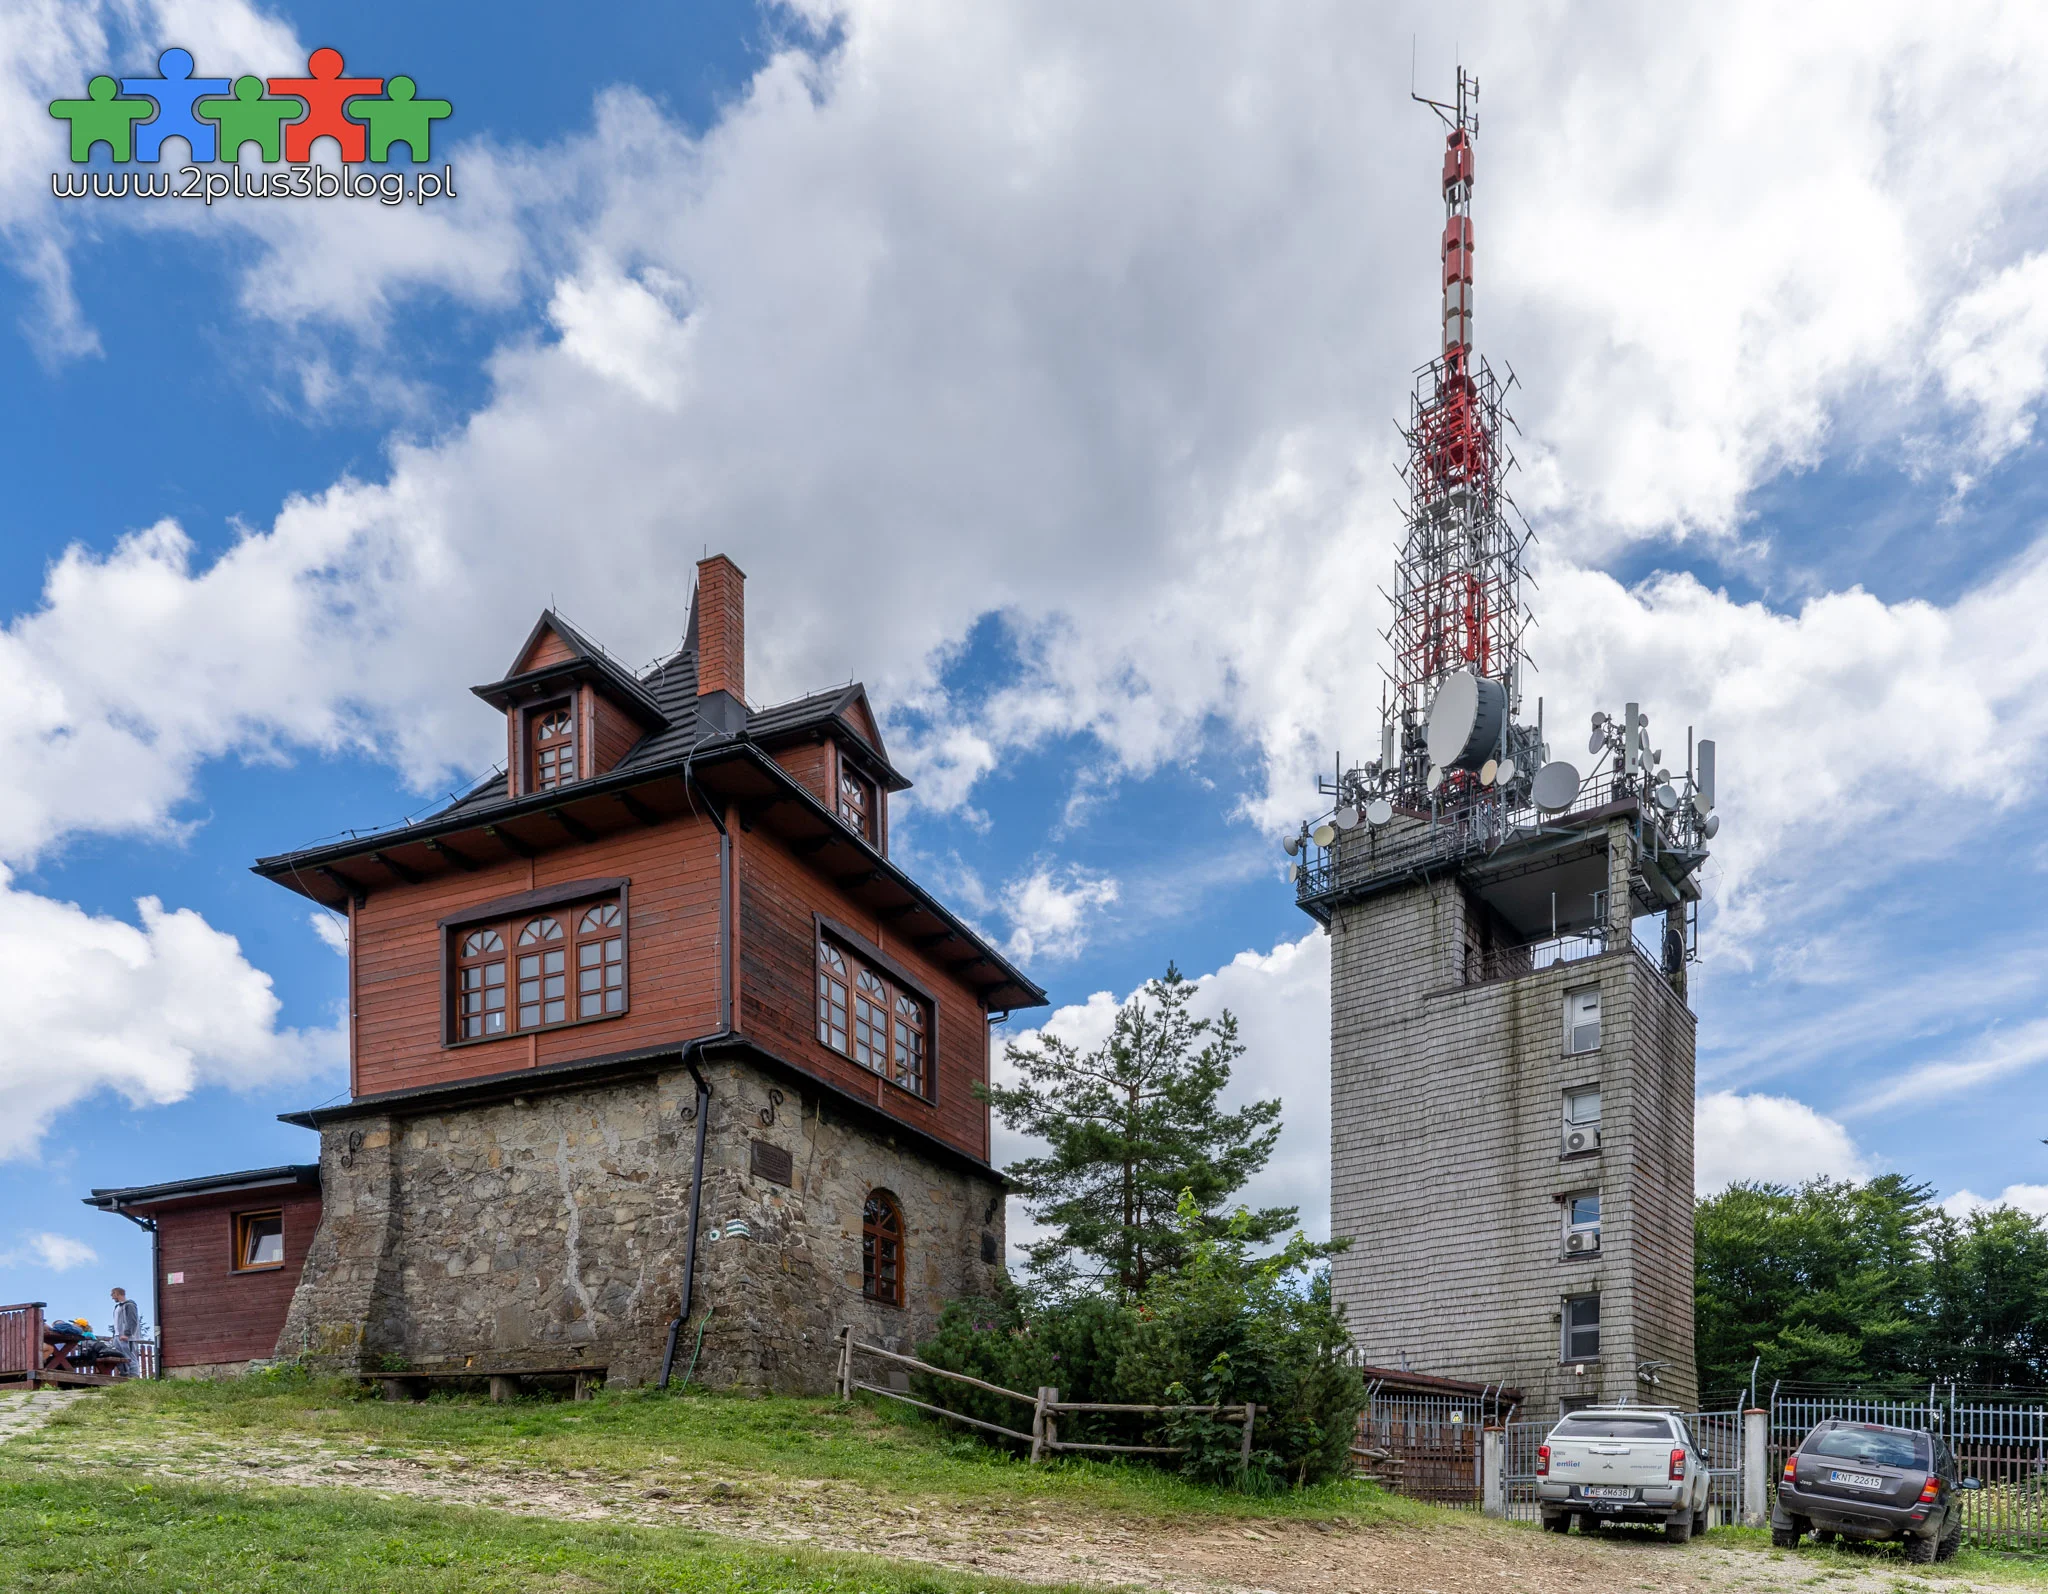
(1581, 1138)
(1582, 1242)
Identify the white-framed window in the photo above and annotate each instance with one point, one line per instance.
(1582, 1020)
(1581, 1222)
(1581, 1121)
(1581, 1337)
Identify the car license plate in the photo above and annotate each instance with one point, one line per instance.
(1857, 1480)
(1603, 1491)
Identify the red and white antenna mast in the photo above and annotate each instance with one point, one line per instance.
(1457, 598)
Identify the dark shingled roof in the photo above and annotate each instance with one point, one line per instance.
(208, 1184)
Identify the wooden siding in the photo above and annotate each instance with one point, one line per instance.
(810, 764)
(778, 898)
(217, 1314)
(671, 951)
(613, 734)
(548, 648)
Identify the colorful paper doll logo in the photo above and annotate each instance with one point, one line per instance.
(366, 116)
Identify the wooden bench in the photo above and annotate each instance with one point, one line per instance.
(505, 1382)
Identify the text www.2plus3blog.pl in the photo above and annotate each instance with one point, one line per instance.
(293, 182)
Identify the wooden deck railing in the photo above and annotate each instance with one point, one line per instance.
(21, 1339)
(1045, 1406)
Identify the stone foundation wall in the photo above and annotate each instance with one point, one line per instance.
(549, 1231)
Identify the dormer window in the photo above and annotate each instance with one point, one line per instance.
(551, 736)
(857, 804)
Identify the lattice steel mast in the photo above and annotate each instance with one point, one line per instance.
(1458, 582)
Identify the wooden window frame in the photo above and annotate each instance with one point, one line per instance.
(529, 745)
(239, 1229)
(508, 916)
(461, 962)
(862, 953)
(872, 1237)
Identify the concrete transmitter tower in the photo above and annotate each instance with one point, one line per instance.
(1511, 1065)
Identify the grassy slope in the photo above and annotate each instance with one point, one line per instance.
(649, 1435)
(92, 1531)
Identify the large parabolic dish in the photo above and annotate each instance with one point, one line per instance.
(1465, 720)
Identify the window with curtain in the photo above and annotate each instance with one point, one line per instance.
(881, 1249)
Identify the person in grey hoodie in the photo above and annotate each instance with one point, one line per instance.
(127, 1334)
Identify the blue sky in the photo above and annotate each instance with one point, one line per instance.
(1039, 366)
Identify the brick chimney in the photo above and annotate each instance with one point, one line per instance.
(719, 621)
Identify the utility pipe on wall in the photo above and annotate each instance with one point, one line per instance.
(668, 1356)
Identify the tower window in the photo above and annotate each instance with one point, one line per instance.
(480, 985)
(881, 1249)
(552, 734)
(873, 1019)
(1582, 1020)
(600, 961)
(1581, 1121)
(543, 974)
(857, 804)
(535, 973)
(1581, 1328)
(1581, 1223)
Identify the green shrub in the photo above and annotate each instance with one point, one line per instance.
(1225, 1328)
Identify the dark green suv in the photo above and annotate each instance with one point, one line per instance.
(1864, 1480)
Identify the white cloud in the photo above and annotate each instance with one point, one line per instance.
(1771, 1139)
(1993, 1055)
(332, 930)
(57, 1252)
(149, 1011)
(2028, 1198)
(1051, 910)
(1096, 325)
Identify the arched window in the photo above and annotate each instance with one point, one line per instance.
(543, 974)
(871, 1022)
(832, 980)
(554, 747)
(480, 985)
(881, 1249)
(600, 961)
(909, 1050)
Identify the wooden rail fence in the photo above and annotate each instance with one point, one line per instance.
(1046, 1406)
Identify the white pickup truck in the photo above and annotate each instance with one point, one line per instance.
(1622, 1464)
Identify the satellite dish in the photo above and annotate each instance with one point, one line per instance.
(1487, 772)
(1556, 787)
(1291, 845)
(1711, 827)
(1595, 742)
(1293, 871)
(1345, 818)
(1465, 720)
(1506, 772)
(1436, 778)
(1701, 804)
(1599, 718)
(1667, 798)
(1323, 834)
(1378, 811)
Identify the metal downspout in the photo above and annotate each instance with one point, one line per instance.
(668, 1356)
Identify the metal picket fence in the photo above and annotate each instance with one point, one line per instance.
(2002, 1443)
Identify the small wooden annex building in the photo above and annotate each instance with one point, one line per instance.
(653, 1050)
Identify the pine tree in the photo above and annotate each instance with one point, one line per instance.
(1131, 1125)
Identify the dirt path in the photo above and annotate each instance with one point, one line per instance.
(1039, 1541)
